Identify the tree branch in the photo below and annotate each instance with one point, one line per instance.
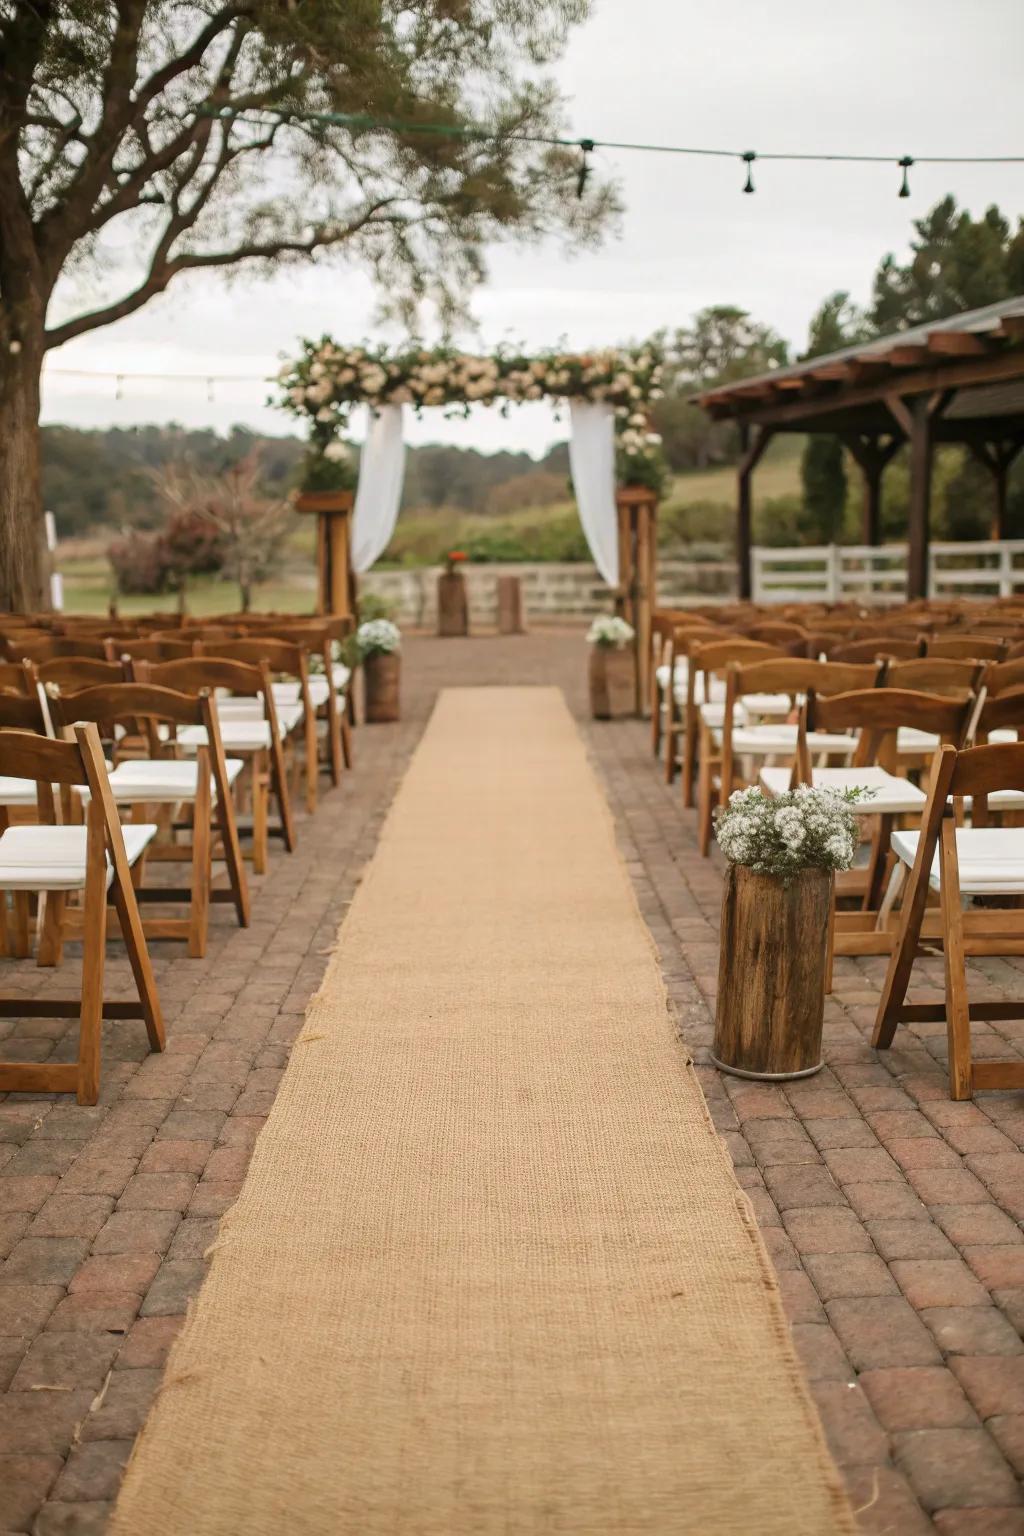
(162, 270)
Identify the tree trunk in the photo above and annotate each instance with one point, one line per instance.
(22, 534)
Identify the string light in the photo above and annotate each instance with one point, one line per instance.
(472, 132)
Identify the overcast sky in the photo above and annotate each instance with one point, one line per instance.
(919, 77)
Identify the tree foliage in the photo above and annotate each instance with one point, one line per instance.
(956, 263)
(722, 343)
(154, 117)
(836, 324)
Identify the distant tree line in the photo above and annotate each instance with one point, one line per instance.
(956, 262)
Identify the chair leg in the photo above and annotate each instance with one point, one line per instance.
(958, 1010)
(334, 750)
(94, 941)
(22, 926)
(346, 741)
(199, 909)
(705, 795)
(690, 765)
(260, 788)
(279, 782)
(51, 932)
(312, 761)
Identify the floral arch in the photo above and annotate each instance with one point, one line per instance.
(609, 393)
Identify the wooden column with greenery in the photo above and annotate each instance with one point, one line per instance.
(335, 578)
(638, 575)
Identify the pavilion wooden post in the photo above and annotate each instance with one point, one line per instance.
(997, 457)
(638, 576)
(336, 583)
(916, 417)
(750, 456)
(871, 454)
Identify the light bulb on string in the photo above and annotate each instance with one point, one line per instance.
(749, 157)
(906, 162)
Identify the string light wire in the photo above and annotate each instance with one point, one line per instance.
(359, 121)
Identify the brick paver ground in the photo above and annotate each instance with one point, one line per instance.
(893, 1216)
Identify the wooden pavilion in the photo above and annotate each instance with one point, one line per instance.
(959, 380)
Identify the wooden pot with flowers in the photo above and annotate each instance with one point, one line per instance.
(378, 646)
(783, 853)
(612, 668)
(452, 596)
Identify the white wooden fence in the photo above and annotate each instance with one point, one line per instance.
(877, 574)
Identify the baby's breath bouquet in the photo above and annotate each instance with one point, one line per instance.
(378, 636)
(610, 633)
(781, 835)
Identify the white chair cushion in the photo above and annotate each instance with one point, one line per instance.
(892, 794)
(767, 704)
(242, 735)
(767, 740)
(1002, 735)
(991, 859)
(149, 779)
(17, 791)
(289, 714)
(910, 742)
(53, 858)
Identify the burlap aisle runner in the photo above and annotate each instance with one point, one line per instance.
(490, 1271)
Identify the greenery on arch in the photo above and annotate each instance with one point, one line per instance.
(325, 382)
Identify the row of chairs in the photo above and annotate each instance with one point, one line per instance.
(178, 746)
(931, 728)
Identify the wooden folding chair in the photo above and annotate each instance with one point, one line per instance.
(257, 740)
(143, 649)
(287, 664)
(882, 646)
(751, 689)
(96, 860)
(957, 862)
(967, 647)
(876, 715)
(204, 784)
(49, 647)
(706, 659)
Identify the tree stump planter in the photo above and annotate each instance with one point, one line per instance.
(452, 604)
(771, 974)
(382, 672)
(612, 682)
(510, 606)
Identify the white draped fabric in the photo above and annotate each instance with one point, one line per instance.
(381, 471)
(592, 460)
(591, 457)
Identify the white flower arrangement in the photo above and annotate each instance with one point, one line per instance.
(610, 633)
(781, 835)
(325, 382)
(376, 636)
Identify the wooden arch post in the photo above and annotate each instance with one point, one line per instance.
(638, 575)
(336, 585)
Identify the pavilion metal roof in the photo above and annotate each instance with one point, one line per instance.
(818, 383)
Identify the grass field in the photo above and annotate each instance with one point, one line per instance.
(424, 536)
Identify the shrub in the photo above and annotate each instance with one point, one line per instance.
(139, 563)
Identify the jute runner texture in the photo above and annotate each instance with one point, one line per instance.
(490, 1271)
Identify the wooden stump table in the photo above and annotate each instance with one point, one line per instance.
(771, 975)
(510, 606)
(452, 604)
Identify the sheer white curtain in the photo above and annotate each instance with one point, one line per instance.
(592, 460)
(381, 471)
